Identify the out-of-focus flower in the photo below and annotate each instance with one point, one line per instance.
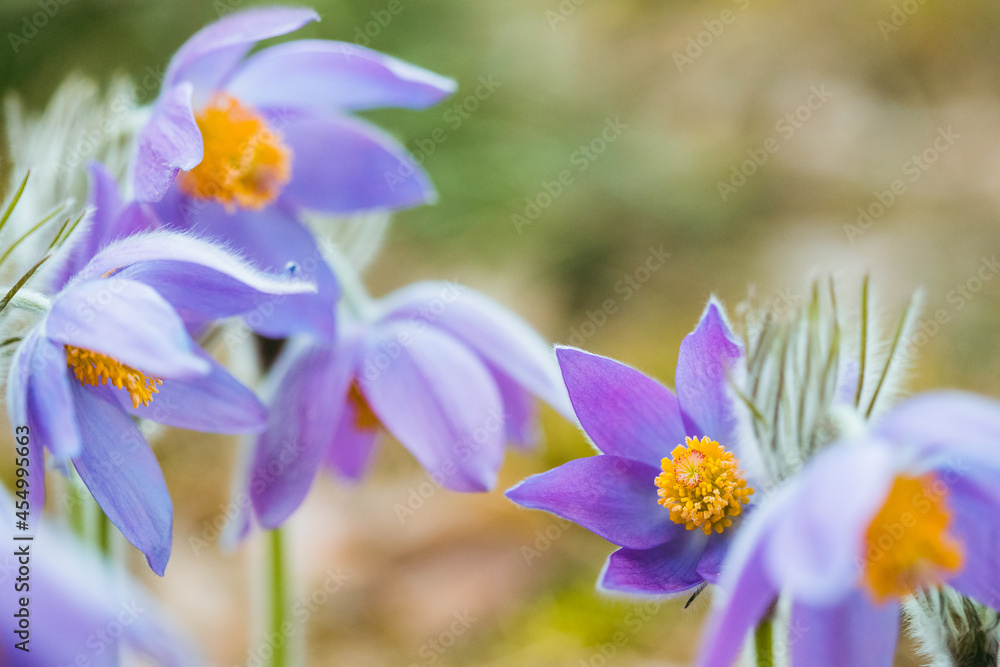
(910, 504)
(666, 486)
(446, 371)
(237, 147)
(113, 345)
(81, 612)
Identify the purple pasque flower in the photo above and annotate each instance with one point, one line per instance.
(250, 129)
(909, 504)
(446, 371)
(238, 145)
(81, 611)
(665, 487)
(114, 345)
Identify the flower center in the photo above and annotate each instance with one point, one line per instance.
(702, 486)
(908, 542)
(245, 163)
(97, 369)
(364, 418)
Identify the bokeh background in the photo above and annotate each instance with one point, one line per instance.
(831, 103)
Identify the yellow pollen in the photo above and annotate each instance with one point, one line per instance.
(364, 418)
(97, 369)
(908, 542)
(245, 164)
(702, 486)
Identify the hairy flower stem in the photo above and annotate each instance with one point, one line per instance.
(763, 642)
(277, 598)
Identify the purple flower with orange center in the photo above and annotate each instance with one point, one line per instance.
(909, 505)
(667, 486)
(237, 146)
(113, 344)
(449, 373)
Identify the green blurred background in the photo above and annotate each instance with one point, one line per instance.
(685, 94)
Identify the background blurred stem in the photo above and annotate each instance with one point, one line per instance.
(277, 573)
(763, 640)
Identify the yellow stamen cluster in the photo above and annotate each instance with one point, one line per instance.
(702, 486)
(245, 164)
(97, 369)
(364, 418)
(908, 542)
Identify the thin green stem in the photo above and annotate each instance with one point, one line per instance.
(278, 598)
(763, 643)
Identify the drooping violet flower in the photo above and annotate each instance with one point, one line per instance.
(912, 503)
(237, 146)
(80, 611)
(666, 486)
(113, 345)
(448, 372)
(270, 314)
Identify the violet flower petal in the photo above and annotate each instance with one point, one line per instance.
(127, 321)
(212, 403)
(668, 569)
(169, 142)
(611, 496)
(496, 334)
(211, 53)
(331, 77)
(707, 359)
(344, 165)
(438, 399)
(50, 401)
(121, 472)
(854, 632)
(623, 411)
(311, 388)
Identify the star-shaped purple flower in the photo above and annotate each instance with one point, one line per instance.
(638, 424)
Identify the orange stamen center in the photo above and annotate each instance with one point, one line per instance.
(245, 164)
(702, 486)
(908, 542)
(93, 368)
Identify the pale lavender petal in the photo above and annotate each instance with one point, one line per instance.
(18, 380)
(664, 570)
(209, 55)
(50, 401)
(123, 475)
(112, 220)
(952, 427)
(492, 331)
(332, 77)
(213, 403)
(623, 411)
(520, 415)
(710, 358)
(127, 321)
(312, 387)
(172, 254)
(609, 495)
(169, 142)
(352, 448)
(344, 165)
(979, 577)
(714, 556)
(438, 400)
(272, 240)
(745, 594)
(854, 632)
(817, 559)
